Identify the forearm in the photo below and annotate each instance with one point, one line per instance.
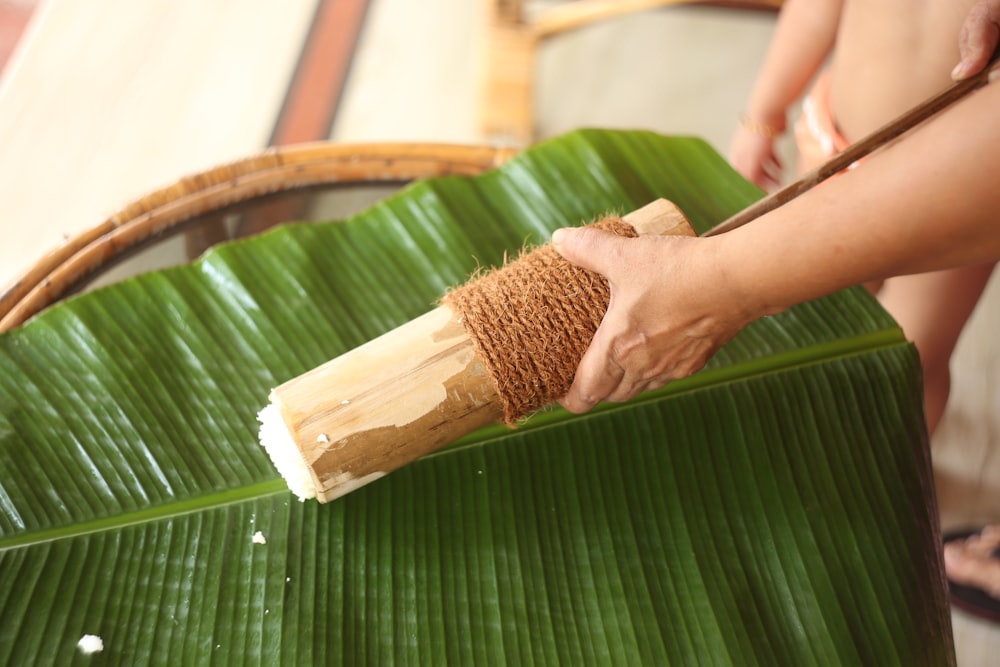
(803, 38)
(929, 202)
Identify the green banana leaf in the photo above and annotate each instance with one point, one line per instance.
(775, 509)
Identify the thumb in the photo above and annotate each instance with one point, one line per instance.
(587, 247)
(978, 39)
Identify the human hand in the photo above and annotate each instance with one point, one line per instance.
(671, 308)
(978, 38)
(753, 155)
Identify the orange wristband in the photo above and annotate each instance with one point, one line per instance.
(760, 129)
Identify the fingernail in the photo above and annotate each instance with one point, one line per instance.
(558, 236)
(961, 69)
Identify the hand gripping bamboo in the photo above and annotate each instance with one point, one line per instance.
(396, 398)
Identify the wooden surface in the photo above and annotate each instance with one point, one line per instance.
(106, 100)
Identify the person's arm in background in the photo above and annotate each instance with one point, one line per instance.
(929, 202)
(803, 38)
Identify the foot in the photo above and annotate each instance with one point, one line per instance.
(974, 561)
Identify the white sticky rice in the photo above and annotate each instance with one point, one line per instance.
(90, 644)
(279, 445)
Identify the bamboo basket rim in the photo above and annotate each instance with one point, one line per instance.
(274, 170)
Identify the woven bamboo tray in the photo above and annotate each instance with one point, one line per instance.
(242, 185)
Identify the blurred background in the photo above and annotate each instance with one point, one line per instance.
(104, 101)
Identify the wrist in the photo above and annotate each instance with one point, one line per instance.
(747, 288)
(763, 126)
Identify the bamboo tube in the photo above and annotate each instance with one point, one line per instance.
(396, 398)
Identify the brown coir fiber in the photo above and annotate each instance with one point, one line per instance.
(532, 321)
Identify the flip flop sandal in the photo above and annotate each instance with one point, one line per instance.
(970, 599)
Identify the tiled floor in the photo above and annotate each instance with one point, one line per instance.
(212, 82)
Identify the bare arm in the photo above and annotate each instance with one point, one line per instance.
(803, 38)
(929, 202)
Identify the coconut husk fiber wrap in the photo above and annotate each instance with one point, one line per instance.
(532, 320)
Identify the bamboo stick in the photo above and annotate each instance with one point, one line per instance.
(396, 398)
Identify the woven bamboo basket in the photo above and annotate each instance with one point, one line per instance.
(265, 189)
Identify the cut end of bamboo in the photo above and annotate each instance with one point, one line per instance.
(365, 413)
(277, 440)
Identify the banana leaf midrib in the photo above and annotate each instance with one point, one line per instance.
(183, 507)
(816, 354)
(790, 359)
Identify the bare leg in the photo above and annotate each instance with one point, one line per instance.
(932, 309)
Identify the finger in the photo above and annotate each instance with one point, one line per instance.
(774, 170)
(641, 386)
(768, 174)
(597, 376)
(762, 180)
(767, 183)
(627, 389)
(658, 382)
(983, 544)
(589, 248)
(978, 39)
(585, 394)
